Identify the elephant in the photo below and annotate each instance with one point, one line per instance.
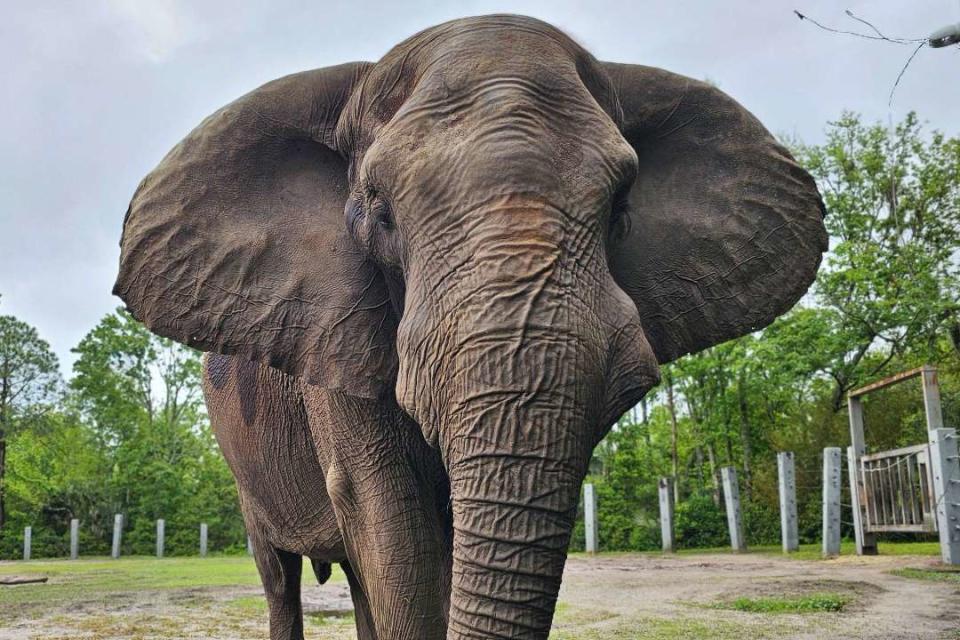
(488, 241)
(262, 423)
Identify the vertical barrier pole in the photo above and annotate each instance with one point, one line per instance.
(866, 542)
(945, 463)
(831, 502)
(249, 546)
(786, 471)
(74, 539)
(203, 540)
(161, 536)
(117, 535)
(731, 491)
(590, 517)
(666, 515)
(27, 542)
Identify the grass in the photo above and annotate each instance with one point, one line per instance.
(936, 574)
(673, 628)
(847, 548)
(806, 551)
(142, 597)
(814, 603)
(175, 598)
(99, 579)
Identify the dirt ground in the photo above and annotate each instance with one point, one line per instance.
(605, 597)
(671, 597)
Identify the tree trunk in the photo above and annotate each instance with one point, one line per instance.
(673, 440)
(698, 457)
(714, 473)
(4, 424)
(3, 473)
(646, 432)
(745, 441)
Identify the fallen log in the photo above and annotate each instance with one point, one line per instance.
(10, 580)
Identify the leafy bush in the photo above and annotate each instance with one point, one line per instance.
(816, 603)
(761, 524)
(700, 523)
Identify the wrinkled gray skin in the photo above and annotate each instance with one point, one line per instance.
(275, 434)
(494, 232)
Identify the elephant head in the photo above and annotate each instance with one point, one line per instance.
(496, 229)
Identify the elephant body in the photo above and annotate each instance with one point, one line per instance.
(258, 418)
(470, 258)
(262, 422)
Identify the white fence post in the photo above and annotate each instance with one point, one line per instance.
(866, 542)
(854, 480)
(249, 546)
(945, 463)
(161, 536)
(203, 540)
(786, 470)
(590, 517)
(731, 492)
(27, 542)
(831, 501)
(74, 539)
(117, 535)
(666, 515)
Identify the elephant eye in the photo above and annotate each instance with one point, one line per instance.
(382, 213)
(619, 223)
(377, 207)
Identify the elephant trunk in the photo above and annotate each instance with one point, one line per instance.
(515, 374)
(513, 511)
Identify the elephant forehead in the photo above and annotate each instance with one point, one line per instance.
(495, 55)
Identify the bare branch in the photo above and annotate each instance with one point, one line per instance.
(866, 36)
(904, 70)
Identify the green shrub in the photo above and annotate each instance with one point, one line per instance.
(816, 603)
(700, 523)
(761, 524)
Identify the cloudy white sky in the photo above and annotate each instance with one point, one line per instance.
(95, 92)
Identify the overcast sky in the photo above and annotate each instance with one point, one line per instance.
(96, 92)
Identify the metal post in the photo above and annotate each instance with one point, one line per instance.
(203, 540)
(866, 542)
(945, 464)
(27, 541)
(731, 491)
(831, 501)
(74, 539)
(161, 536)
(666, 515)
(590, 517)
(786, 470)
(931, 398)
(117, 534)
(854, 480)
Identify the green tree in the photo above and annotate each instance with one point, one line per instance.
(893, 202)
(141, 397)
(29, 383)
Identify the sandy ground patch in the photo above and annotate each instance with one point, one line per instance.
(605, 597)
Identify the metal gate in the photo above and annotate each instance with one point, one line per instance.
(898, 490)
(913, 489)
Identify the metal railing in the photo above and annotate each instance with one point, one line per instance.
(898, 490)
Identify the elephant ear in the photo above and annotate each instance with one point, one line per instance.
(726, 228)
(236, 242)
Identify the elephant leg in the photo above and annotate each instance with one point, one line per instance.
(361, 607)
(280, 574)
(389, 494)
